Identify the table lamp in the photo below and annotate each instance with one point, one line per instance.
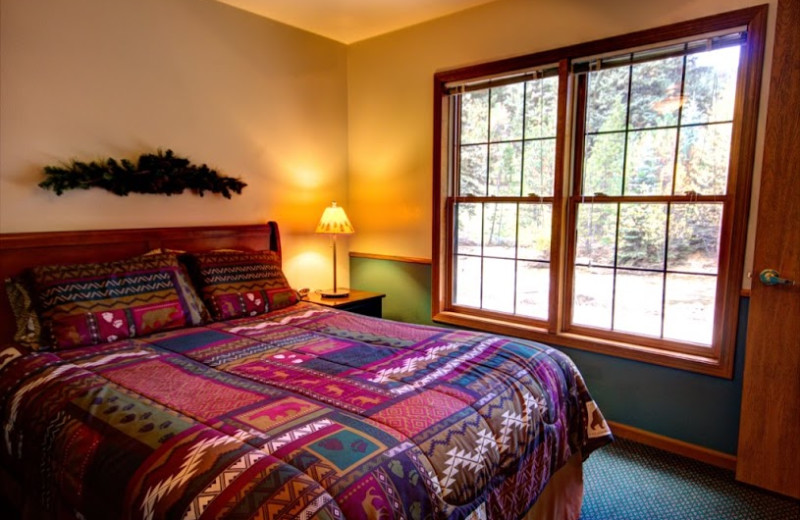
(334, 222)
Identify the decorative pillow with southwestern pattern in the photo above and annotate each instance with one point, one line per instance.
(87, 304)
(235, 284)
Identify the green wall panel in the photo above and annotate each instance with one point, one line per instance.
(682, 405)
(407, 287)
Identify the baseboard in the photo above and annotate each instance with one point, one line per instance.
(692, 451)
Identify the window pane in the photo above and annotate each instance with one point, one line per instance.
(689, 308)
(703, 159)
(505, 169)
(710, 88)
(475, 117)
(694, 236)
(603, 160)
(493, 147)
(540, 167)
(637, 302)
(533, 289)
(642, 234)
(498, 285)
(467, 282)
(472, 178)
(541, 108)
(596, 234)
(506, 116)
(468, 236)
(655, 93)
(534, 231)
(607, 102)
(591, 303)
(651, 159)
(500, 230)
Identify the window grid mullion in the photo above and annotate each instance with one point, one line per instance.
(488, 139)
(669, 204)
(483, 205)
(647, 270)
(522, 146)
(483, 252)
(664, 270)
(627, 133)
(615, 267)
(678, 129)
(516, 260)
(521, 191)
(664, 127)
(622, 192)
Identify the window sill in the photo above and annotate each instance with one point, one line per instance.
(690, 362)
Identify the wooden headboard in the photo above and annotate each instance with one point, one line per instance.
(19, 251)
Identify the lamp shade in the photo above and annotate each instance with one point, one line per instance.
(334, 221)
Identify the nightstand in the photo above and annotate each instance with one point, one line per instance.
(359, 302)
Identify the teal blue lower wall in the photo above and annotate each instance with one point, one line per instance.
(690, 407)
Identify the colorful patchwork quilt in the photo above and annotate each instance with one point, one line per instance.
(305, 412)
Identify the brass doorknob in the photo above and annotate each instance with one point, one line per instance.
(772, 277)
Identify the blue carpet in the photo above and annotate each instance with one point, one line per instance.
(630, 481)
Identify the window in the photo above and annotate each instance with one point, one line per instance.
(505, 157)
(596, 196)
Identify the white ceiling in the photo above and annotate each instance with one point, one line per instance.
(349, 21)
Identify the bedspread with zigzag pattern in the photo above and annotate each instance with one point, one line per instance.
(306, 412)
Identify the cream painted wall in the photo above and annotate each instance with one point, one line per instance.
(390, 95)
(89, 79)
(302, 119)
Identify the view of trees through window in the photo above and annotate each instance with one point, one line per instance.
(596, 196)
(658, 131)
(507, 150)
(647, 192)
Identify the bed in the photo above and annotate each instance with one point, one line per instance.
(201, 386)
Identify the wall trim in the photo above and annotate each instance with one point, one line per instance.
(406, 259)
(686, 449)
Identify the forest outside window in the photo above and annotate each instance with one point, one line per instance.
(596, 196)
(503, 211)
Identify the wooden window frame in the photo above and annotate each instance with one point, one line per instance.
(714, 361)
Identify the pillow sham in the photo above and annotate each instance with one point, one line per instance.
(87, 304)
(235, 284)
(29, 329)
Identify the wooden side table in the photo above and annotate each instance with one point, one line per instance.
(359, 302)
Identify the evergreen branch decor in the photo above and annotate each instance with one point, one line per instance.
(162, 172)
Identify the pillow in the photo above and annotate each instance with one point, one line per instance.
(29, 328)
(87, 304)
(235, 284)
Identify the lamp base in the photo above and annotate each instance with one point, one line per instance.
(335, 293)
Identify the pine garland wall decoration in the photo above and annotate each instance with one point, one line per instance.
(161, 172)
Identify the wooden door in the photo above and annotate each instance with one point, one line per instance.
(769, 432)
